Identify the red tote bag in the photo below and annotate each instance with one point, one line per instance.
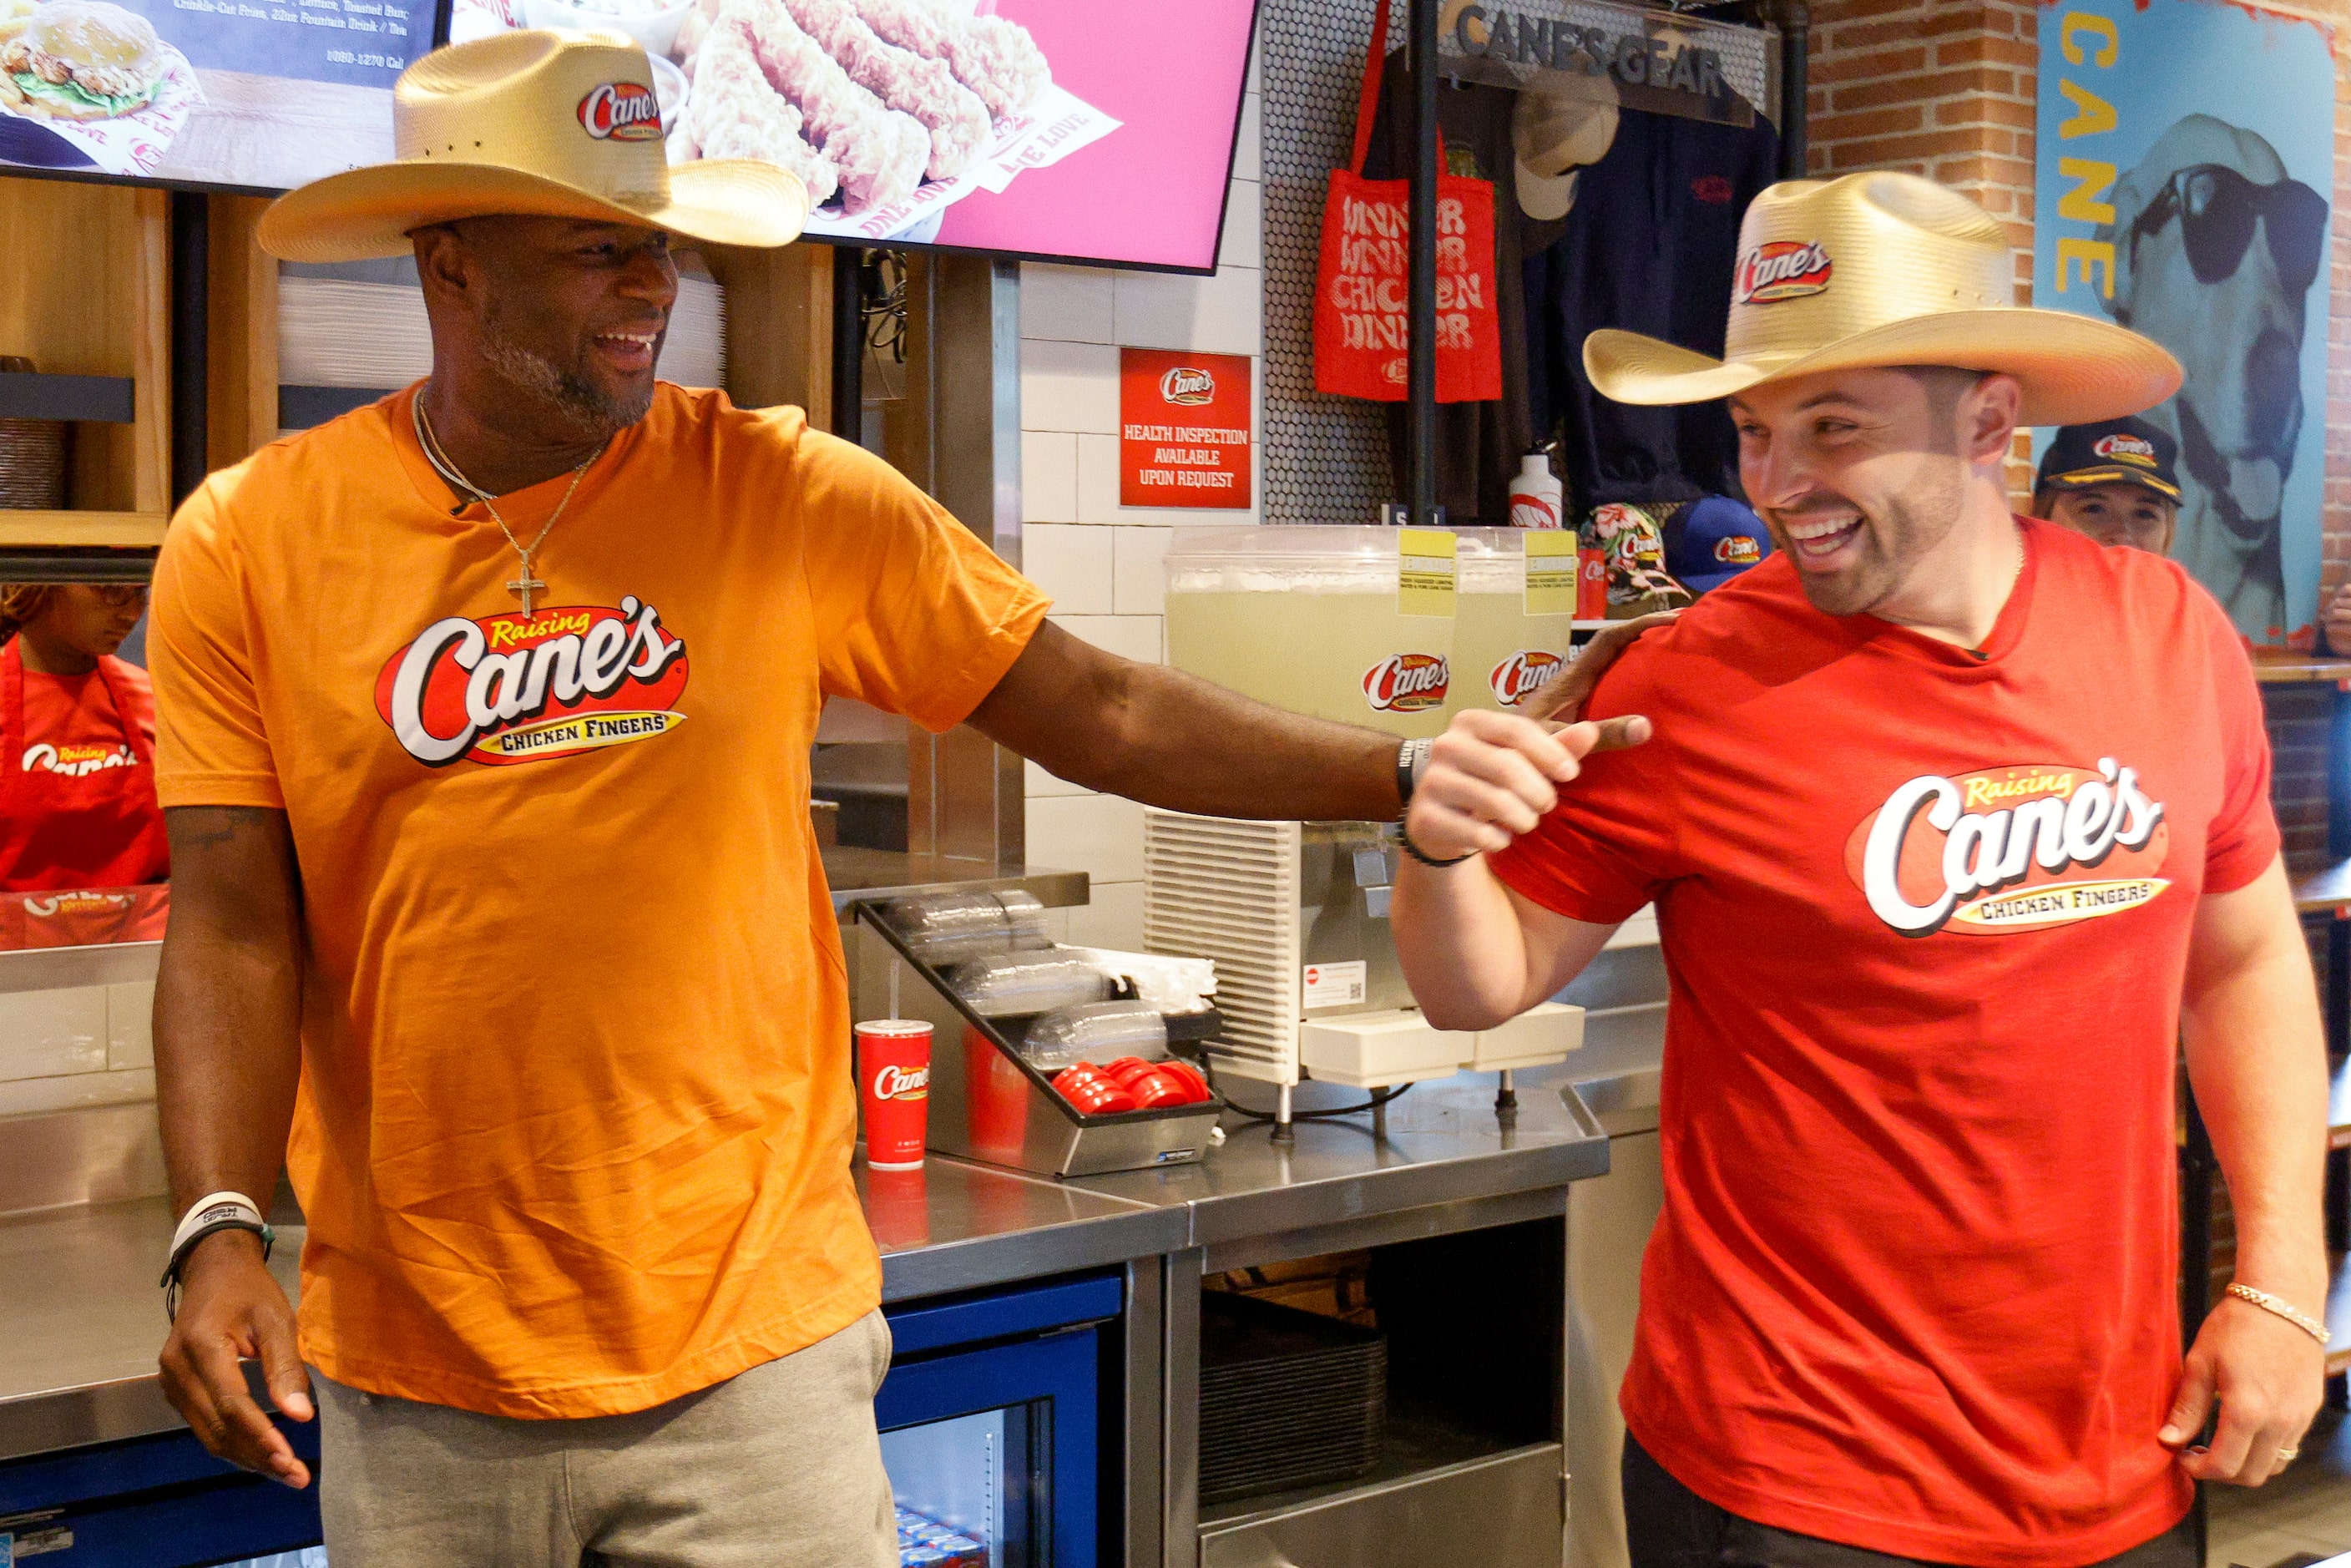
(1361, 324)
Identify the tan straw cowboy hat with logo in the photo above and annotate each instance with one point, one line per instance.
(1883, 269)
(548, 124)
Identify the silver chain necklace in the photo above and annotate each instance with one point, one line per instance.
(525, 584)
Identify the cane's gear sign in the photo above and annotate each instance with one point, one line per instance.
(515, 688)
(1782, 270)
(1408, 683)
(2127, 448)
(2020, 848)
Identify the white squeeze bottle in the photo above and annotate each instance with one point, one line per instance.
(1536, 495)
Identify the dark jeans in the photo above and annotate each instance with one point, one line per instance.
(1670, 1526)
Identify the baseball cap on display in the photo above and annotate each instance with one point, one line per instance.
(1552, 137)
(2111, 452)
(1713, 541)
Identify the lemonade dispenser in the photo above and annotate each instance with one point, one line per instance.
(1397, 630)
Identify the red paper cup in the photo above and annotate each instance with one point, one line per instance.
(1194, 1086)
(1085, 1087)
(894, 1086)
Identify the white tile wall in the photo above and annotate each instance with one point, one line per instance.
(1104, 563)
(1072, 563)
(1049, 476)
(1136, 637)
(1139, 569)
(85, 1046)
(1099, 834)
(1068, 386)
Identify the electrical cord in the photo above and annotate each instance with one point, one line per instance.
(1379, 1097)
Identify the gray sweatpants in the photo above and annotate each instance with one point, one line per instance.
(776, 1468)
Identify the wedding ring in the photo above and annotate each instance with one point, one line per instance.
(2288, 1455)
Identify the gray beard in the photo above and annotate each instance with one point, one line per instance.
(575, 398)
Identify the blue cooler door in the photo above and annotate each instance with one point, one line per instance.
(989, 1421)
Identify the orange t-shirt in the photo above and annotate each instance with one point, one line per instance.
(574, 1129)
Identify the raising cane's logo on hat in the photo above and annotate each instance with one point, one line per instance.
(1190, 387)
(1737, 550)
(622, 111)
(515, 688)
(2126, 449)
(1408, 683)
(2019, 848)
(1783, 270)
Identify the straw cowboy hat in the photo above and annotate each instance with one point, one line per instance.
(549, 124)
(1882, 269)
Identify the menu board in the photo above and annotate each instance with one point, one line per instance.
(258, 94)
(1057, 129)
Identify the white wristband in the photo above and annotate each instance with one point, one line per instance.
(212, 1209)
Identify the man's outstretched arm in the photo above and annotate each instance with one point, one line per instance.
(2257, 1061)
(227, 1057)
(1159, 736)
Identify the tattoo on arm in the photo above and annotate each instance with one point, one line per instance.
(207, 827)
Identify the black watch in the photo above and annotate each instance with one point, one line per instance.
(1412, 761)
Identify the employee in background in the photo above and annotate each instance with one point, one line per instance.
(2112, 481)
(76, 742)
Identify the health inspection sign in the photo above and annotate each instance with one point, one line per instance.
(1184, 429)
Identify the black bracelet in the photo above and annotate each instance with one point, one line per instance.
(171, 1279)
(1407, 770)
(1422, 855)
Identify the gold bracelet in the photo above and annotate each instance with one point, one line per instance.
(2270, 1303)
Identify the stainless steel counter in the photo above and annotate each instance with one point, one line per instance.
(81, 1318)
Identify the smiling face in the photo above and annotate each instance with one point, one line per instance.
(2129, 515)
(568, 314)
(1861, 476)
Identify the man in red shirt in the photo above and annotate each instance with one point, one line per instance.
(1956, 825)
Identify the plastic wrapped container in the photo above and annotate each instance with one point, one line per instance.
(1019, 985)
(1094, 1032)
(950, 927)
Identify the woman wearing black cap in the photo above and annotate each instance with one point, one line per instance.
(2112, 481)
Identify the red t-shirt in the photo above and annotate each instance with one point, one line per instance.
(1913, 1288)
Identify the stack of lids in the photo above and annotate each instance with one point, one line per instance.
(1288, 1398)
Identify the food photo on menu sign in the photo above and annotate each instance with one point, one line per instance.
(1046, 127)
(261, 94)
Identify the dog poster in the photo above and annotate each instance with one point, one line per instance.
(2185, 169)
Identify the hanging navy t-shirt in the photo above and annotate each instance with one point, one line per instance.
(1649, 248)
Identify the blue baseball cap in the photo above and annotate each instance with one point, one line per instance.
(1713, 541)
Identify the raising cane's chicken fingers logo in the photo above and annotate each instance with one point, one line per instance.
(515, 688)
(2011, 849)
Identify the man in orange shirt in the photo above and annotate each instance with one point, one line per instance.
(486, 715)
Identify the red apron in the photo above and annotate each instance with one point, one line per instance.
(59, 831)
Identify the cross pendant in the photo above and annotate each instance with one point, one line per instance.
(526, 584)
